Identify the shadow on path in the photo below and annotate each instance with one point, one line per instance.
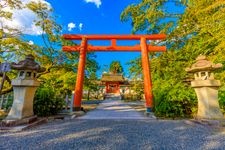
(113, 109)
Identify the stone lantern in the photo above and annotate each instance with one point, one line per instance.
(206, 88)
(24, 87)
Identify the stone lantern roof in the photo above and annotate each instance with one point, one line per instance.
(28, 64)
(202, 64)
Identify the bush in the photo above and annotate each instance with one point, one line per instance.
(174, 100)
(222, 99)
(8, 104)
(47, 102)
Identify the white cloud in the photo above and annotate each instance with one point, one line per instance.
(80, 26)
(23, 19)
(96, 2)
(71, 26)
(31, 43)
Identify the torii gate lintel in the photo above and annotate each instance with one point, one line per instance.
(83, 48)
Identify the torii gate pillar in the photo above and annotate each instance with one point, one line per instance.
(146, 75)
(80, 75)
(83, 48)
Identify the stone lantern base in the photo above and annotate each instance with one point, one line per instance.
(24, 91)
(207, 93)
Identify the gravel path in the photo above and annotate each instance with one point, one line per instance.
(118, 133)
(114, 109)
(115, 135)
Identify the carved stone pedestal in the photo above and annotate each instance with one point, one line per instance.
(24, 91)
(207, 93)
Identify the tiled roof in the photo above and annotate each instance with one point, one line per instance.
(112, 77)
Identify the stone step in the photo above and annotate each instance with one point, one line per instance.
(15, 122)
(24, 126)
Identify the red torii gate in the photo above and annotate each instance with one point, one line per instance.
(83, 48)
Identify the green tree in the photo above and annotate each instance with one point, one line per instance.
(201, 31)
(150, 16)
(12, 44)
(91, 85)
(172, 97)
(91, 81)
(115, 67)
(10, 41)
(61, 67)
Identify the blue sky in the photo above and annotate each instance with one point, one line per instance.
(102, 19)
(85, 17)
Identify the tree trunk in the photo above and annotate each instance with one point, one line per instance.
(88, 95)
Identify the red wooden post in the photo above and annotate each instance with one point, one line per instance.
(80, 76)
(146, 75)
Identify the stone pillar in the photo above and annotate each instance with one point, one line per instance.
(206, 88)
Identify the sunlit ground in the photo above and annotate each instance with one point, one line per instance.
(89, 107)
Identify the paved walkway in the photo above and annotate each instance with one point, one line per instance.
(114, 109)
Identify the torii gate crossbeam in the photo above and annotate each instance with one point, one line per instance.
(83, 48)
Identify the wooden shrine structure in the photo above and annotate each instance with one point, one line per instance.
(112, 82)
(144, 48)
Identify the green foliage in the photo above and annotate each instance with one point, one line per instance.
(59, 78)
(8, 104)
(150, 16)
(138, 88)
(11, 4)
(91, 85)
(187, 38)
(47, 102)
(174, 99)
(222, 99)
(61, 67)
(115, 67)
(135, 68)
(10, 37)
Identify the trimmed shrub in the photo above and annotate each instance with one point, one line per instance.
(174, 100)
(47, 102)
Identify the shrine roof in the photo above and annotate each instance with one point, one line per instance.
(106, 77)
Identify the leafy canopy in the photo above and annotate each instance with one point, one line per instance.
(60, 67)
(116, 67)
(199, 30)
